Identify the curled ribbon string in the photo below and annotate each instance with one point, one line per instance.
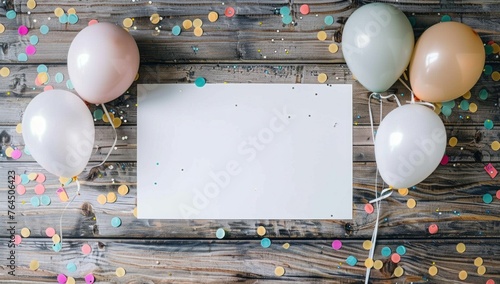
(116, 135)
(67, 205)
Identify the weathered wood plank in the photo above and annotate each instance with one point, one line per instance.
(450, 198)
(216, 261)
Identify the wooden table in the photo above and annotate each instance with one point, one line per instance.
(251, 47)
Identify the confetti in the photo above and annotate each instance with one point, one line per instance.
(154, 18)
(265, 242)
(321, 35)
(399, 271)
(134, 212)
(386, 251)
(58, 12)
(433, 270)
(367, 245)
(25, 232)
(473, 107)
(462, 275)
(39, 189)
(73, 19)
(86, 249)
(23, 30)
(17, 239)
(56, 239)
(4, 72)
(57, 247)
(460, 247)
(369, 263)
(395, 257)
(111, 197)
(198, 31)
(337, 244)
(481, 270)
(229, 12)
(61, 278)
(478, 261)
(378, 264)
(70, 280)
(488, 124)
(187, 24)
(433, 229)
(22, 57)
(44, 29)
(120, 272)
(45, 200)
(71, 11)
(21, 190)
(304, 9)
(176, 30)
(61, 193)
(286, 245)
(197, 23)
(34, 265)
(261, 231)
(127, 22)
(322, 77)
(369, 208)
(328, 20)
(16, 154)
(123, 189)
(487, 198)
(2, 28)
(213, 16)
(467, 95)
(200, 82)
(63, 19)
(116, 222)
(495, 145)
(351, 260)
(35, 201)
(11, 14)
(453, 141)
(401, 250)
(411, 203)
(50, 232)
(71, 267)
(333, 48)
(403, 191)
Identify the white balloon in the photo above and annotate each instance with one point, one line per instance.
(409, 145)
(59, 132)
(377, 43)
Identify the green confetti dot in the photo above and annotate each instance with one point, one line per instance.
(483, 94)
(176, 30)
(351, 260)
(265, 242)
(446, 111)
(488, 49)
(285, 11)
(287, 19)
(45, 200)
(63, 19)
(464, 105)
(488, 124)
(450, 104)
(200, 82)
(98, 113)
(488, 69)
(445, 18)
(72, 19)
(487, 198)
(328, 20)
(11, 14)
(44, 29)
(386, 251)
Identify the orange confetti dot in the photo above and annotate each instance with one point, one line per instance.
(123, 189)
(213, 16)
(261, 231)
(198, 31)
(187, 24)
(433, 270)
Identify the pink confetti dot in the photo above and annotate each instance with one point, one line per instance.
(21, 190)
(93, 22)
(62, 279)
(304, 9)
(490, 281)
(40, 178)
(17, 239)
(50, 232)
(30, 50)
(89, 278)
(336, 245)
(39, 189)
(48, 88)
(16, 154)
(396, 258)
(23, 30)
(369, 208)
(445, 160)
(86, 249)
(17, 179)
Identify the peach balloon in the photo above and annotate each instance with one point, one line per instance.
(103, 60)
(447, 61)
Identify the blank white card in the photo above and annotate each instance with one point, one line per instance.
(244, 151)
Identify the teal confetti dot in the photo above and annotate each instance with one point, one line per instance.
(116, 222)
(487, 198)
(42, 68)
(98, 113)
(488, 49)
(285, 11)
(176, 30)
(71, 267)
(63, 19)
(488, 69)
(22, 57)
(35, 201)
(220, 233)
(11, 14)
(488, 124)
(24, 179)
(450, 104)
(200, 82)
(44, 29)
(69, 85)
(413, 21)
(27, 151)
(72, 19)
(386, 251)
(57, 247)
(401, 250)
(351, 260)
(446, 111)
(265, 242)
(45, 200)
(464, 105)
(483, 94)
(445, 18)
(328, 20)
(34, 40)
(59, 77)
(287, 19)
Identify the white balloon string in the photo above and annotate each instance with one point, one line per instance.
(67, 205)
(114, 130)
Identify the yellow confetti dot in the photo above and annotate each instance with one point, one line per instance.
(120, 272)
(369, 263)
(481, 270)
(128, 22)
(135, 212)
(19, 128)
(8, 152)
(496, 47)
(197, 23)
(472, 107)
(462, 275)
(25, 232)
(198, 31)
(322, 35)
(378, 264)
(403, 191)
(117, 122)
(187, 24)
(261, 231)
(433, 270)
(495, 76)
(56, 239)
(101, 199)
(32, 176)
(411, 203)
(478, 261)
(286, 246)
(399, 271)
(213, 16)
(123, 189)
(495, 145)
(43, 77)
(453, 141)
(467, 95)
(34, 265)
(322, 77)
(4, 72)
(279, 271)
(111, 198)
(70, 280)
(461, 247)
(154, 18)
(105, 117)
(367, 244)
(58, 12)
(333, 48)
(71, 11)
(2, 28)
(64, 180)
(437, 109)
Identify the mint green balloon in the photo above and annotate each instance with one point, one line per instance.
(377, 43)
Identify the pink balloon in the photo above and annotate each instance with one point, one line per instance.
(103, 60)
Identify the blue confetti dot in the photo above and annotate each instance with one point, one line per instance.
(287, 19)
(446, 111)
(44, 29)
(328, 20)
(483, 94)
(27, 151)
(11, 14)
(59, 77)
(71, 267)
(351, 260)
(22, 57)
(176, 30)
(63, 19)
(200, 82)
(464, 105)
(35, 201)
(73, 19)
(220, 233)
(488, 124)
(57, 247)
(401, 250)
(24, 179)
(34, 40)
(42, 68)
(487, 198)
(69, 85)
(445, 18)
(45, 200)
(116, 222)
(450, 104)
(285, 11)
(265, 242)
(386, 251)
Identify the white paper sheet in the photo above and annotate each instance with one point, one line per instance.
(244, 151)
